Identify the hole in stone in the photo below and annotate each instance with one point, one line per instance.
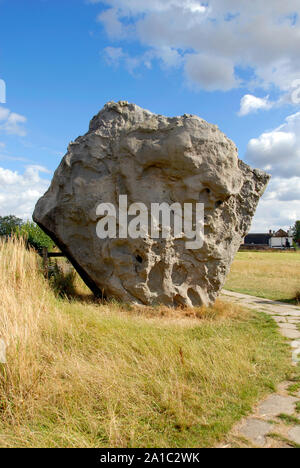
(194, 297)
(207, 190)
(139, 259)
(156, 276)
(179, 274)
(179, 301)
(219, 203)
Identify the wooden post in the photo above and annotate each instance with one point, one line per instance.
(45, 261)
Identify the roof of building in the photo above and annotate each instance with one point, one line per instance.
(258, 239)
(281, 233)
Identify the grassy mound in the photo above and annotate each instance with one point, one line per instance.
(82, 374)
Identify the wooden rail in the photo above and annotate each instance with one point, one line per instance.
(46, 255)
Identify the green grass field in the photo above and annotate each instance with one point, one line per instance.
(86, 374)
(266, 274)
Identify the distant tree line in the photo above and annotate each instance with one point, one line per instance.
(33, 235)
(296, 232)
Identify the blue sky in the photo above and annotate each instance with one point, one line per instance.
(234, 63)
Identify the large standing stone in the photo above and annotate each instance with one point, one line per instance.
(151, 158)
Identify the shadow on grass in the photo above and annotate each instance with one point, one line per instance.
(67, 285)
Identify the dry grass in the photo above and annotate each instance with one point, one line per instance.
(273, 275)
(81, 374)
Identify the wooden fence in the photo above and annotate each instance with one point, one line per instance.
(45, 256)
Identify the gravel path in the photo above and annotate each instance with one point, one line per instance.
(275, 422)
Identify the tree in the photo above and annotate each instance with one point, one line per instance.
(296, 232)
(35, 236)
(9, 225)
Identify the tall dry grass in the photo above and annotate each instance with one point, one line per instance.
(82, 374)
(26, 310)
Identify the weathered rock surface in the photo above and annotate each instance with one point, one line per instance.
(151, 158)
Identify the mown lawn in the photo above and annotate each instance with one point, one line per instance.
(85, 374)
(266, 274)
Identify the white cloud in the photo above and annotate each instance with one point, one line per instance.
(113, 25)
(250, 104)
(278, 150)
(116, 56)
(4, 113)
(12, 123)
(280, 205)
(275, 214)
(169, 56)
(139, 6)
(210, 72)
(20, 192)
(113, 55)
(260, 36)
(283, 189)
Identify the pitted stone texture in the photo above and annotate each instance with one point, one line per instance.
(151, 159)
